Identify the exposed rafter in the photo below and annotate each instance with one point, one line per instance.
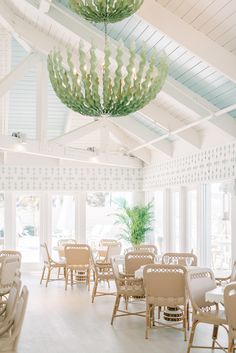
(190, 38)
(16, 74)
(45, 5)
(11, 144)
(76, 134)
(127, 141)
(143, 134)
(167, 122)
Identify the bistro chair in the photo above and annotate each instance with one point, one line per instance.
(230, 312)
(165, 286)
(179, 258)
(7, 311)
(9, 269)
(50, 264)
(200, 281)
(61, 246)
(10, 253)
(135, 259)
(228, 279)
(78, 262)
(126, 287)
(146, 247)
(103, 270)
(9, 337)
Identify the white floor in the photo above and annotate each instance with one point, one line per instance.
(67, 322)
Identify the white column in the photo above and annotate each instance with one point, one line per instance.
(183, 220)
(80, 218)
(203, 225)
(233, 224)
(10, 220)
(167, 215)
(46, 219)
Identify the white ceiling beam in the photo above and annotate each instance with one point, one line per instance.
(16, 74)
(190, 38)
(41, 101)
(76, 134)
(169, 123)
(217, 115)
(143, 134)
(45, 5)
(11, 144)
(128, 142)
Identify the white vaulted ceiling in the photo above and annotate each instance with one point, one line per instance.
(201, 81)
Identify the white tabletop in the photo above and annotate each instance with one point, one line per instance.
(215, 295)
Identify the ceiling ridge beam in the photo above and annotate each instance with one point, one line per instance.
(189, 37)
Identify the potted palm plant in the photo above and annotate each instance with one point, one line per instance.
(135, 222)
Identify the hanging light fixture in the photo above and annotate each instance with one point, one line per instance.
(113, 88)
(109, 11)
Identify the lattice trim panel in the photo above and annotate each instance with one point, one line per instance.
(215, 164)
(70, 179)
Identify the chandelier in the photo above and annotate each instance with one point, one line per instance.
(107, 86)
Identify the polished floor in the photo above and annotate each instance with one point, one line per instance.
(67, 322)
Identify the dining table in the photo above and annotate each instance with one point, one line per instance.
(215, 295)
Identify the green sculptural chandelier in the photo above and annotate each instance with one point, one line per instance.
(111, 86)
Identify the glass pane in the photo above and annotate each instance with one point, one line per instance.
(220, 226)
(99, 219)
(27, 227)
(159, 225)
(176, 220)
(63, 217)
(1, 220)
(192, 220)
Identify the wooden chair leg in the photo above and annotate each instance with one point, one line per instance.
(88, 279)
(42, 276)
(116, 307)
(126, 302)
(66, 278)
(185, 323)
(147, 320)
(94, 289)
(214, 335)
(71, 277)
(190, 343)
(48, 276)
(159, 312)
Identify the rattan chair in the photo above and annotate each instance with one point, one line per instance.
(200, 281)
(126, 287)
(9, 269)
(61, 246)
(228, 279)
(165, 286)
(7, 311)
(180, 258)
(230, 312)
(146, 248)
(135, 259)
(78, 261)
(9, 337)
(50, 264)
(10, 253)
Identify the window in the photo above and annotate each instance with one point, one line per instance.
(63, 217)
(99, 219)
(27, 227)
(220, 227)
(176, 220)
(1, 220)
(158, 215)
(192, 220)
